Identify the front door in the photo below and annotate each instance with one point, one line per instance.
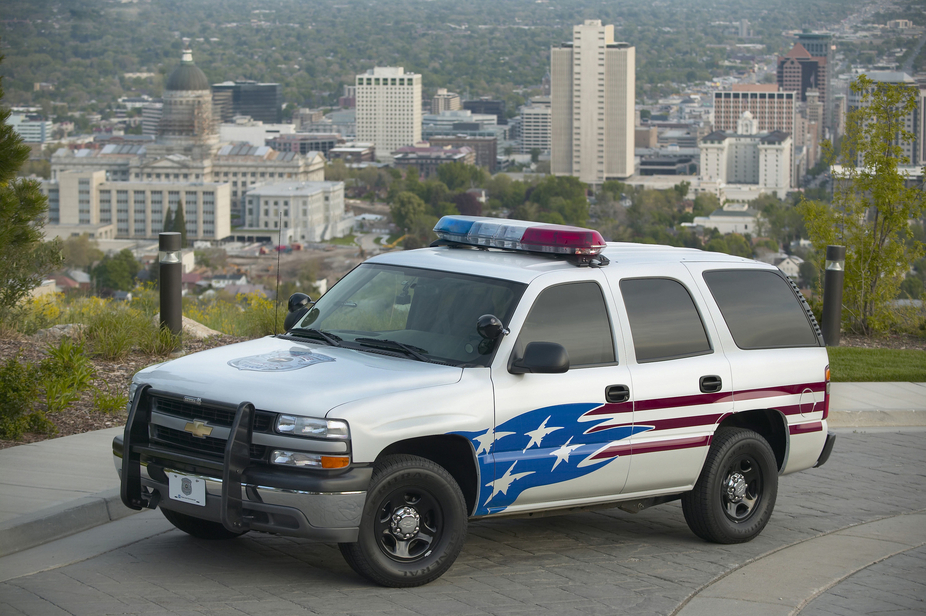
(549, 427)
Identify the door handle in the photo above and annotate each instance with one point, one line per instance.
(617, 393)
(710, 384)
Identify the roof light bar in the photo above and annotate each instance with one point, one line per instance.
(521, 235)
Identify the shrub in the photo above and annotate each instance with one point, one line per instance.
(19, 389)
(64, 374)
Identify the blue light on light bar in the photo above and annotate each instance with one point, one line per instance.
(520, 235)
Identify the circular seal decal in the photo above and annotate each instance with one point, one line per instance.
(280, 361)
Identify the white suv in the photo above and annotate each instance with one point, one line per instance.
(513, 367)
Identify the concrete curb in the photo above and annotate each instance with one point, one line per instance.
(912, 418)
(783, 582)
(34, 529)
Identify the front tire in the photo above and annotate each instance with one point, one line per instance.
(733, 498)
(195, 527)
(413, 524)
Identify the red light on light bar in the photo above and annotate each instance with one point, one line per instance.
(563, 240)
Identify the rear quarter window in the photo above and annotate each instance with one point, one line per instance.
(761, 309)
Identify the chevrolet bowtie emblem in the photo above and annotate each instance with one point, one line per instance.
(198, 428)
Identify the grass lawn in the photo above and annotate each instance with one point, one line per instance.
(851, 364)
(347, 240)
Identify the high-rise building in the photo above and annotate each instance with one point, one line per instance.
(260, 101)
(536, 125)
(487, 105)
(444, 101)
(820, 45)
(915, 151)
(388, 108)
(32, 128)
(772, 109)
(593, 95)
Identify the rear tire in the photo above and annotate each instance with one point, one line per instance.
(201, 529)
(413, 524)
(733, 498)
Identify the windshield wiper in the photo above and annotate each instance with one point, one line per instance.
(316, 334)
(393, 345)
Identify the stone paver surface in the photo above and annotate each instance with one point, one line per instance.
(600, 562)
(897, 584)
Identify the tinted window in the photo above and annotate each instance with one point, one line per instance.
(663, 320)
(760, 309)
(573, 315)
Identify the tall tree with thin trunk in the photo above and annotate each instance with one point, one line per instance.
(873, 202)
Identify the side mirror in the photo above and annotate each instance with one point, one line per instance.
(541, 358)
(298, 300)
(298, 305)
(490, 327)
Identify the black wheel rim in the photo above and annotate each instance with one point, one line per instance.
(409, 524)
(741, 488)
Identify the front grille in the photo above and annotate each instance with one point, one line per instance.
(178, 408)
(210, 447)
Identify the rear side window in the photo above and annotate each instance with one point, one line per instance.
(663, 320)
(575, 316)
(760, 309)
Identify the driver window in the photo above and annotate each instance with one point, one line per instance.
(575, 316)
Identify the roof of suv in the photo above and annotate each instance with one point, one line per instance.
(524, 267)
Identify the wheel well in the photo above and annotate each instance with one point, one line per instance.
(454, 453)
(769, 423)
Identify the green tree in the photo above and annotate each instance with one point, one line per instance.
(407, 208)
(117, 272)
(80, 251)
(871, 205)
(25, 259)
(178, 224)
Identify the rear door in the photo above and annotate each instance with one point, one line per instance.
(680, 377)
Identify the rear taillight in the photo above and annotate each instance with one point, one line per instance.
(826, 395)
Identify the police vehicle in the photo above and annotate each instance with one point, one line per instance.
(511, 368)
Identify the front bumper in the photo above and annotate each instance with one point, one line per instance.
(240, 496)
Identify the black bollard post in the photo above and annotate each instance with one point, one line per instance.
(832, 293)
(171, 272)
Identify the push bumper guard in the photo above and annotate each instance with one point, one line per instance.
(232, 511)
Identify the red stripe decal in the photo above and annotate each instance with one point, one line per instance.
(782, 390)
(698, 399)
(668, 445)
(668, 424)
(804, 428)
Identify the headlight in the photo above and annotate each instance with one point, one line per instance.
(302, 459)
(312, 426)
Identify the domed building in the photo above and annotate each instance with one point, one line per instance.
(187, 123)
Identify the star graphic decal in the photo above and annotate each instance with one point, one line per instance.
(502, 484)
(562, 454)
(485, 440)
(538, 434)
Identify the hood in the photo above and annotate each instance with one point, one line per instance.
(289, 376)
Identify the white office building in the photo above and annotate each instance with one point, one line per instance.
(537, 125)
(298, 211)
(32, 129)
(748, 157)
(592, 95)
(87, 202)
(388, 108)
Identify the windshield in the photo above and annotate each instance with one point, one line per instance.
(419, 313)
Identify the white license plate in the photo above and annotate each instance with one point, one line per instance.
(186, 489)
